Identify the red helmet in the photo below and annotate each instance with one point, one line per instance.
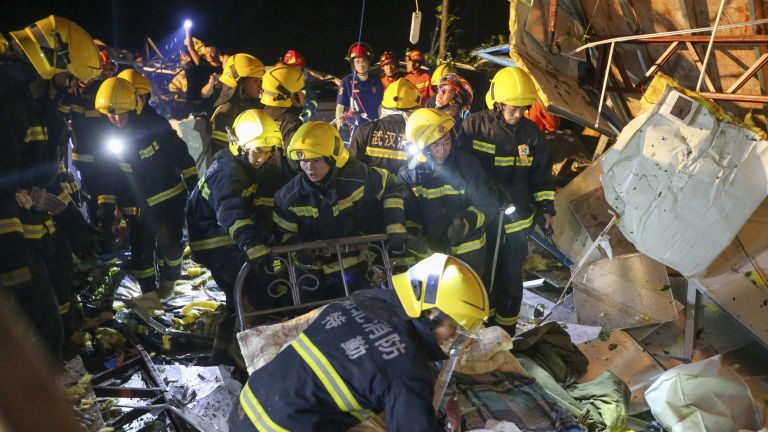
(387, 58)
(462, 87)
(415, 55)
(294, 58)
(359, 49)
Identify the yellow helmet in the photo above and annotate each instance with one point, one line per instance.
(56, 45)
(441, 71)
(241, 65)
(254, 129)
(400, 94)
(445, 283)
(512, 86)
(116, 96)
(427, 125)
(280, 84)
(318, 139)
(138, 80)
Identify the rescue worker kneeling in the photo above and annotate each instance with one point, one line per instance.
(335, 197)
(451, 199)
(368, 355)
(154, 161)
(229, 212)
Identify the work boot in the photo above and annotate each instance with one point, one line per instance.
(166, 288)
(148, 301)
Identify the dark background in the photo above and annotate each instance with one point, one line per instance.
(321, 30)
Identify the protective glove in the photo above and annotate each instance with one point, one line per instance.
(396, 244)
(85, 245)
(458, 229)
(418, 246)
(547, 230)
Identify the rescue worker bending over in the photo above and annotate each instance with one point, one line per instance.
(440, 71)
(229, 215)
(158, 171)
(389, 71)
(451, 200)
(381, 143)
(283, 100)
(454, 96)
(368, 355)
(359, 94)
(35, 62)
(242, 80)
(414, 60)
(335, 197)
(518, 159)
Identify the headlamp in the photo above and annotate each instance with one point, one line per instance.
(115, 145)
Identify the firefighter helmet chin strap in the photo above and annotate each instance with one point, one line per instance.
(281, 94)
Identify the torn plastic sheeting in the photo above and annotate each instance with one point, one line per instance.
(675, 172)
(191, 130)
(703, 396)
(628, 291)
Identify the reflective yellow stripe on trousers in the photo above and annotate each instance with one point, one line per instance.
(329, 377)
(256, 412)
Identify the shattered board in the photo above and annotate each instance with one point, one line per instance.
(212, 389)
(743, 294)
(628, 291)
(556, 76)
(569, 235)
(592, 211)
(620, 354)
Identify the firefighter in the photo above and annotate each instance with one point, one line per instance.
(359, 94)
(388, 65)
(158, 171)
(454, 96)
(283, 100)
(441, 70)
(242, 76)
(368, 355)
(414, 60)
(382, 142)
(335, 197)
(451, 200)
(98, 179)
(518, 159)
(43, 59)
(229, 215)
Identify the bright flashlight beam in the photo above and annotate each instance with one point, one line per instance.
(187, 24)
(413, 149)
(509, 210)
(115, 145)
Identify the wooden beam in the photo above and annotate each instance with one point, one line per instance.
(659, 63)
(749, 73)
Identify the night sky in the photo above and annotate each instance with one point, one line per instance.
(322, 30)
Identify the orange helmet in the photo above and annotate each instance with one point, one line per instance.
(359, 49)
(294, 58)
(387, 58)
(415, 55)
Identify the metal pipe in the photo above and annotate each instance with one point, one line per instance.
(496, 251)
(605, 84)
(709, 47)
(664, 34)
